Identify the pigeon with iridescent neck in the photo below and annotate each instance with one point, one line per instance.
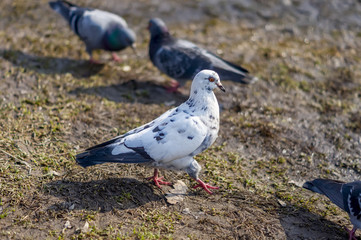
(346, 196)
(172, 140)
(98, 29)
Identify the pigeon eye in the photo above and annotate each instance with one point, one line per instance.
(211, 79)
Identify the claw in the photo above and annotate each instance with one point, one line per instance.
(158, 180)
(205, 186)
(173, 87)
(351, 233)
(116, 58)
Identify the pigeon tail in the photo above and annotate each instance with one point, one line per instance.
(62, 7)
(117, 153)
(235, 76)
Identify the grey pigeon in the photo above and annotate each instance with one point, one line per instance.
(171, 140)
(98, 29)
(182, 60)
(347, 196)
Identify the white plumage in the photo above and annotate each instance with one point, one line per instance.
(173, 139)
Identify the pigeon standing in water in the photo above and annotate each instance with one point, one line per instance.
(171, 140)
(347, 196)
(182, 60)
(98, 29)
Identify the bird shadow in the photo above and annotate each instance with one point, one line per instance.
(297, 222)
(51, 65)
(145, 92)
(300, 223)
(103, 195)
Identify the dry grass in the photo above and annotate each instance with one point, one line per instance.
(300, 121)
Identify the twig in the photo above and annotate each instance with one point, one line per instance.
(19, 160)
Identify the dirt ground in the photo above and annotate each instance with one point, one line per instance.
(300, 121)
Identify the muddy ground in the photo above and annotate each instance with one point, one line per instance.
(300, 121)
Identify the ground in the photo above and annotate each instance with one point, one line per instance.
(301, 120)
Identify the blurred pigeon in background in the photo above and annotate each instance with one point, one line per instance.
(347, 196)
(182, 60)
(98, 29)
(173, 139)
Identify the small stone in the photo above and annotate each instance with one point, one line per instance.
(126, 68)
(169, 103)
(176, 195)
(186, 211)
(67, 224)
(282, 203)
(85, 228)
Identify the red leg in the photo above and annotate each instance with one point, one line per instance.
(116, 58)
(92, 61)
(205, 186)
(158, 180)
(173, 87)
(351, 233)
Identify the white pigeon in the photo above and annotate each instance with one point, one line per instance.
(171, 140)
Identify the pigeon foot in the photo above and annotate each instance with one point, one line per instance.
(116, 58)
(351, 233)
(158, 180)
(205, 186)
(173, 87)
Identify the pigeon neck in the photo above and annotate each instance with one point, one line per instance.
(202, 97)
(162, 36)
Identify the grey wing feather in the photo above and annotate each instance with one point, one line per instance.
(179, 62)
(352, 197)
(105, 154)
(228, 70)
(329, 188)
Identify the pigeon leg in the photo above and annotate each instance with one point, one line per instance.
(173, 87)
(92, 61)
(351, 233)
(116, 58)
(205, 186)
(158, 180)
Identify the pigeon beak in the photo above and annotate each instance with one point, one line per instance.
(219, 85)
(134, 50)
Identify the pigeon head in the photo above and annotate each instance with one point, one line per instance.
(157, 27)
(118, 38)
(207, 80)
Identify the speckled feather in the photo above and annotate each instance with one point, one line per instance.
(181, 59)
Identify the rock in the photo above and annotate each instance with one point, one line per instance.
(176, 195)
(85, 228)
(282, 203)
(186, 211)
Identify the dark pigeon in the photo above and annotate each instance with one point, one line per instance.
(182, 60)
(98, 29)
(347, 196)
(171, 140)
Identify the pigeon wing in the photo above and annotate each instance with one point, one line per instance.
(181, 60)
(175, 137)
(103, 152)
(352, 197)
(228, 70)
